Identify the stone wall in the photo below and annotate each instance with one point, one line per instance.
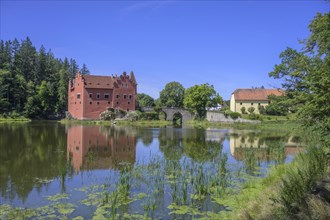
(213, 116)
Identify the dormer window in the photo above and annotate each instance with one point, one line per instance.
(91, 95)
(106, 95)
(98, 95)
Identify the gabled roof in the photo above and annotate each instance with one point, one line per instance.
(255, 94)
(99, 82)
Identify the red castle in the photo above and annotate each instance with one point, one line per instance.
(90, 95)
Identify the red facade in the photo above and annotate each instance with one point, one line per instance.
(94, 147)
(90, 95)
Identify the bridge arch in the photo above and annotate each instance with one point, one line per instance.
(170, 112)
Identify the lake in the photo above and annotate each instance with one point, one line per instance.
(49, 170)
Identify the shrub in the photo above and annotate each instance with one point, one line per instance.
(149, 116)
(234, 115)
(111, 114)
(254, 116)
(262, 109)
(107, 115)
(133, 116)
(251, 110)
(243, 110)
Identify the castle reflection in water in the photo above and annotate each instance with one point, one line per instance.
(101, 147)
(96, 147)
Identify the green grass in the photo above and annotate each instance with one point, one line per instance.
(286, 192)
(145, 123)
(272, 117)
(140, 123)
(14, 120)
(282, 125)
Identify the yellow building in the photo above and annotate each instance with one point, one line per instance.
(251, 98)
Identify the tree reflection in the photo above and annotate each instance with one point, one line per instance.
(194, 143)
(31, 155)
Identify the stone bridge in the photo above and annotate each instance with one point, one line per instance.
(170, 112)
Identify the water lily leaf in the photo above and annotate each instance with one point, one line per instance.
(78, 218)
(64, 208)
(57, 197)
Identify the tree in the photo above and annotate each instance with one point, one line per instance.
(63, 86)
(73, 69)
(279, 105)
(306, 74)
(145, 100)
(84, 70)
(33, 83)
(199, 97)
(172, 95)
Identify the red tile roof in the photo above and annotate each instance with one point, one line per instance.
(99, 82)
(106, 82)
(255, 94)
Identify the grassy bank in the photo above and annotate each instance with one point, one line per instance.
(264, 125)
(140, 123)
(85, 122)
(14, 120)
(145, 123)
(290, 191)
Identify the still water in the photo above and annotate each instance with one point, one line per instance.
(53, 171)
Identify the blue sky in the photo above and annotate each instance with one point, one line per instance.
(229, 44)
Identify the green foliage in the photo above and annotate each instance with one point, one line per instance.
(243, 110)
(254, 116)
(306, 74)
(84, 70)
(149, 116)
(262, 109)
(172, 95)
(301, 180)
(279, 105)
(251, 109)
(200, 97)
(33, 83)
(234, 115)
(145, 100)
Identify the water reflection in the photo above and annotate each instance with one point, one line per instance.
(42, 159)
(254, 147)
(30, 157)
(96, 147)
(197, 144)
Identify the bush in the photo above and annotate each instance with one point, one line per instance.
(111, 114)
(149, 116)
(262, 109)
(233, 115)
(107, 115)
(243, 110)
(254, 116)
(133, 116)
(251, 110)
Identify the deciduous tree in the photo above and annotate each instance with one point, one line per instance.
(172, 95)
(200, 97)
(306, 74)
